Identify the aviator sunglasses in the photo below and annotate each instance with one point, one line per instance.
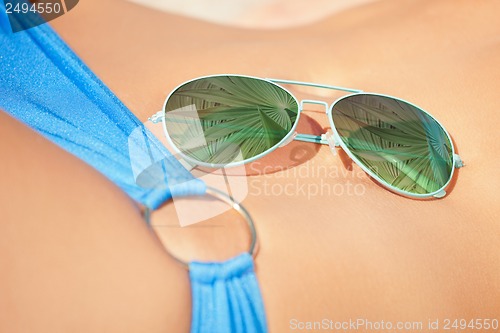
(221, 121)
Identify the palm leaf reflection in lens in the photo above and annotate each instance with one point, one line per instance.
(400, 143)
(225, 119)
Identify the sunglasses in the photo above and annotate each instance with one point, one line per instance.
(220, 121)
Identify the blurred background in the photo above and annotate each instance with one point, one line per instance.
(264, 14)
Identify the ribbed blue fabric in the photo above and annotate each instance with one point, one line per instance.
(45, 85)
(226, 297)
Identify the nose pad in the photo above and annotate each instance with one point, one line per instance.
(332, 141)
(288, 140)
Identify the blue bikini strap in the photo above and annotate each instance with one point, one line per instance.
(64, 101)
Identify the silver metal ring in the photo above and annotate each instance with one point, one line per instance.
(231, 202)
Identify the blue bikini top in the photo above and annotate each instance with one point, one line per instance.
(46, 86)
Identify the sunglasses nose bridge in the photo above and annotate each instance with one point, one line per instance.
(314, 102)
(329, 137)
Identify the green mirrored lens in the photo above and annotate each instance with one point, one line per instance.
(227, 119)
(397, 141)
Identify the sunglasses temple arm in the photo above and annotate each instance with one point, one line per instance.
(316, 85)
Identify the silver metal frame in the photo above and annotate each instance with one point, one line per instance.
(221, 196)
